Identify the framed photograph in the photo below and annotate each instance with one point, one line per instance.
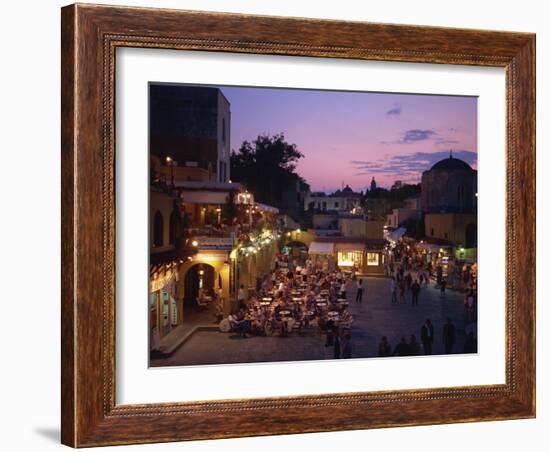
(281, 225)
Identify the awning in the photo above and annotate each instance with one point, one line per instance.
(204, 196)
(321, 248)
(350, 246)
(395, 235)
(266, 208)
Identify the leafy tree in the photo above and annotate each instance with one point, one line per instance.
(265, 166)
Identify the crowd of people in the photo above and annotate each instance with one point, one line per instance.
(294, 299)
(307, 296)
(409, 274)
(413, 347)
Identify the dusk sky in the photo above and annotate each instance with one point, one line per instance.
(349, 137)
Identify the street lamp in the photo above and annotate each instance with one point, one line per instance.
(171, 163)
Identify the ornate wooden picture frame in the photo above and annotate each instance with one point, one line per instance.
(90, 37)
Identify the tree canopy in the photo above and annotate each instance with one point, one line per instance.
(266, 166)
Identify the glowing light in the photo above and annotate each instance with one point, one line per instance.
(195, 243)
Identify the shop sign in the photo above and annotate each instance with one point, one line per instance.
(160, 283)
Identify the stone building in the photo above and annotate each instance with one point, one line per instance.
(190, 132)
(450, 186)
(166, 255)
(458, 228)
(360, 243)
(449, 203)
(344, 200)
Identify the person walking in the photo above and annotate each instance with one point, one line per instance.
(393, 286)
(449, 336)
(427, 336)
(415, 290)
(384, 348)
(442, 288)
(336, 345)
(348, 347)
(469, 305)
(414, 347)
(330, 327)
(408, 280)
(359, 296)
(241, 297)
(401, 349)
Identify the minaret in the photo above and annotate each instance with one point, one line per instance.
(373, 184)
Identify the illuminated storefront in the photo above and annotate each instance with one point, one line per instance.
(350, 259)
(373, 259)
(163, 305)
(365, 255)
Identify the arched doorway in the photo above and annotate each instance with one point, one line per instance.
(199, 279)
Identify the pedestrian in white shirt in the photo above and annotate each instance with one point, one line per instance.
(241, 297)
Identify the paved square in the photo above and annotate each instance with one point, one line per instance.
(374, 318)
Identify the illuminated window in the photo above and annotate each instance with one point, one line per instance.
(373, 259)
(350, 258)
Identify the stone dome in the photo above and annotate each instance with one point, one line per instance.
(451, 163)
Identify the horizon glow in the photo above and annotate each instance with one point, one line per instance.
(349, 137)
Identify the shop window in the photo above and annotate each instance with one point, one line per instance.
(350, 258)
(373, 259)
(158, 225)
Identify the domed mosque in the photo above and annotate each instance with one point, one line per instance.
(449, 204)
(450, 186)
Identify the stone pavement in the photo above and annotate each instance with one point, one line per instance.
(374, 318)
